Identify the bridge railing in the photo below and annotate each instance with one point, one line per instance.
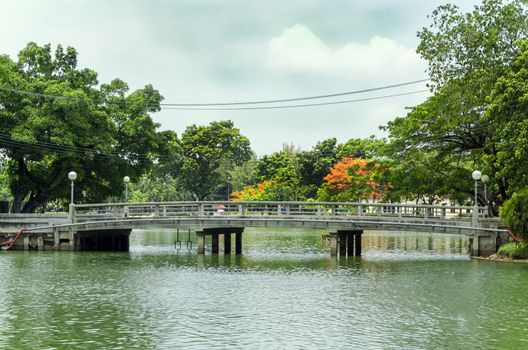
(276, 209)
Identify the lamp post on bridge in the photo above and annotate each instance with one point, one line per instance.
(72, 175)
(485, 179)
(228, 189)
(476, 175)
(126, 179)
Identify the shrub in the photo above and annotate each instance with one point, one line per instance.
(514, 212)
(514, 250)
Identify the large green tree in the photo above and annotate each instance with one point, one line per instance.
(207, 150)
(315, 164)
(507, 116)
(56, 117)
(467, 54)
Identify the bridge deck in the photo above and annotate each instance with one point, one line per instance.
(116, 219)
(324, 215)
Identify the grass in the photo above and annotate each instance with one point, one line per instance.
(514, 250)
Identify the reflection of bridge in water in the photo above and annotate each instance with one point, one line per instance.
(414, 243)
(106, 226)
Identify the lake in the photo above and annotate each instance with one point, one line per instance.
(407, 291)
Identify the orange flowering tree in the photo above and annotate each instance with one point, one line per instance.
(257, 192)
(352, 179)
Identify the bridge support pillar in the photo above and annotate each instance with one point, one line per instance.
(227, 243)
(350, 245)
(357, 239)
(483, 245)
(333, 245)
(214, 243)
(201, 242)
(342, 243)
(238, 243)
(345, 242)
(215, 232)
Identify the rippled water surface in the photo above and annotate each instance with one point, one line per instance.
(408, 291)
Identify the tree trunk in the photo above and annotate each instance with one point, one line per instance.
(39, 196)
(17, 202)
(35, 202)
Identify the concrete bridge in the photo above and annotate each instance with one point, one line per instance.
(106, 226)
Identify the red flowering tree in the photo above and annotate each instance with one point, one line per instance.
(351, 179)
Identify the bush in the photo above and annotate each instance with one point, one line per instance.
(514, 250)
(514, 212)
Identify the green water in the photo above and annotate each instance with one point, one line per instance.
(408, 291)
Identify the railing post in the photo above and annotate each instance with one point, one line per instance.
(380, 211)
(164, 211)
(242, 210)
(475, 216)
(359, 210)
(56, 237)
(200, 209)
(333, 212)
(426, 213)
(71, 213)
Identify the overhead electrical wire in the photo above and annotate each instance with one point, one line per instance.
(6, 139)
(124, 103)
(295, 106)
(297, 98)
(65, 149)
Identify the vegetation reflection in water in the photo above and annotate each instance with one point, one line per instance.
(408, 291)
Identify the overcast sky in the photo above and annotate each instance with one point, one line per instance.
(202, 51)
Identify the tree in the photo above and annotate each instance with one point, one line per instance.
(483, 41)
(281, 172)
(506, 116)
(103, 133)
(467, 53)
(428, 178)
(207, 149)
(514, 212)
(368, 148)
(351, 179)
(5, 194)
(315, 164)
(157, 187)
(258, 192)
(243, 175)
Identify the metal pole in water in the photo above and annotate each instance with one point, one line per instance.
(189, 243)
(178, 242)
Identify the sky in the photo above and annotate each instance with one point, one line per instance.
(210, 51)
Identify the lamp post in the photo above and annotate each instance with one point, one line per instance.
(476, 176)
(228, 190)
(72, 175)
(485, 179)
(126, 179)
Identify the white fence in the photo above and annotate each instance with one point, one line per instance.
(324, 210)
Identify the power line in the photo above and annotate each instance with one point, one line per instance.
(298, 98)
(296, 106)
(124, 103)
(67, 150)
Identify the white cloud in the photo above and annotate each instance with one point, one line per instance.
(299, 50)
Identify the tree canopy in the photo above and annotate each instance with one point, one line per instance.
(453, 131)
(55, 117)
(206, 151)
